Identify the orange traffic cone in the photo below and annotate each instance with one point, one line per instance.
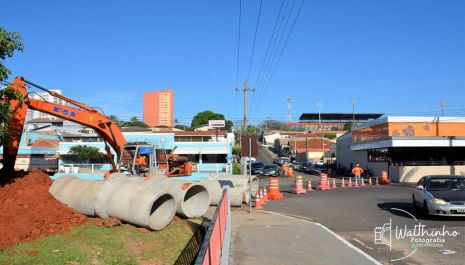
(299, 186)
(309, 186)
(334, 184)
(350, 182)
(262, 197)
(265, 195)
(343, 185)
(258, 203)
(363, 182)
(356, 183)
(323, 182)
(328, 184)
(377, 182)
(274, 194)
(369, 182)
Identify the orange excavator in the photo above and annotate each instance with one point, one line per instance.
(80, 113)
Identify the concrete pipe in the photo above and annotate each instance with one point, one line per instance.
(215, 189)
(140, 205)
(241, 182)
(192, 199)
(77, 193)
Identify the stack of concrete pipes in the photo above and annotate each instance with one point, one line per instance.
(148, 202)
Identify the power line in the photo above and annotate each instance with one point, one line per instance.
(281, 53)
(238, 54)
(254, 39)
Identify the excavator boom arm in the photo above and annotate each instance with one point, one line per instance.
(82, 114)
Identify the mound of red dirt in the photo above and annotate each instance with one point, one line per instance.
(28, 210)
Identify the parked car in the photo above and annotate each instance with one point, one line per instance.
(276, 161)
(297, 165)
(257, 168)
(320, 163)
(283, 160)
(318, 169)
(306, 167)
(271, 170)
(440, 195)
(266, 145)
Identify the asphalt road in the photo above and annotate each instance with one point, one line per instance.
(355, 213)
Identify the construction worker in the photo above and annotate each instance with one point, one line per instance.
(357, 171)
(140, 162)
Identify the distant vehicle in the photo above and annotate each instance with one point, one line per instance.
(306, 167)
(298, 165)
(283, 160)
(440, 195)
(318, 169)
(276, 161)
(266, 145)
(271, 170)
(257, 168)
(320, 162)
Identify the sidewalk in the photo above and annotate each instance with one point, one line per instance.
(266, 238)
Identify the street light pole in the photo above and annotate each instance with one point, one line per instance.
(442, 104)
(354, 101)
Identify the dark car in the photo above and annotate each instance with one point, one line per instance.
(318, 169)
(276, 161)
(298, 165)
(271, 170)
(306, 167)
(257, 168)
(440, 195)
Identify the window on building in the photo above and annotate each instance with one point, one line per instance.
(214, 158)
(378, 155)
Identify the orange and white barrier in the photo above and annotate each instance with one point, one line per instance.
(323, 182)
(274, 194)
(350, 182)
(334, 184)
(343, 185)
(309, 186)
(299, 186)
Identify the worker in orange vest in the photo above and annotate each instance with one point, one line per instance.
(140, 162)
(357, 171)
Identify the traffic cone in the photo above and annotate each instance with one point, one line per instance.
(274, 194)
(299, 186)
(262, 197)
(343, 185)
(356, 183)
(328, 184)
(363, 182)
(258, 203)
(334, 184)
(377, 182)
(265, 195)
(323, 182)
(350, 182)
(369, 182)
(309, 186)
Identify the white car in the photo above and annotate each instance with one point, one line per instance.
(266, 145)
(440, 195)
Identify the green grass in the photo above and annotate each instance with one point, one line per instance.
(89, 244)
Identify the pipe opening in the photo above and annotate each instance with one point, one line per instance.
(196, 201)
(162, 212)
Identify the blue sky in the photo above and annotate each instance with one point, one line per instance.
(393, 56)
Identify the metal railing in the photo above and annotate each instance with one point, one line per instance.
(215, 247)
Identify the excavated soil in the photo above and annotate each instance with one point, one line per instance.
(28, 210)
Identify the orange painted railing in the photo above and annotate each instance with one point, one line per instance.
(215, 247)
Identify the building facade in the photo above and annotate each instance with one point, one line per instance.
(406, 147)
(34, 114)
(158, 108)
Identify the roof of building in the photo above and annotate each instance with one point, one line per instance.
(324, 117)
(388, 119)
(200, 133)
(46, 143)
(46, 120)
(312, 145)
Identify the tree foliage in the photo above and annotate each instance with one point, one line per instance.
(330, 136)
(252, 130)
(348, 125)
(133, 122)
(9, 43)
(203, 117)
(87, 153)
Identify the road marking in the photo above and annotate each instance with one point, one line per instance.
(345, 242)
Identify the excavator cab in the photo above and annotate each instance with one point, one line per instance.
(138, 159)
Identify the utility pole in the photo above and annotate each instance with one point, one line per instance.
(289, 117)
(246, 90)
(354, 101)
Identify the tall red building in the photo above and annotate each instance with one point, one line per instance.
(158, 108)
